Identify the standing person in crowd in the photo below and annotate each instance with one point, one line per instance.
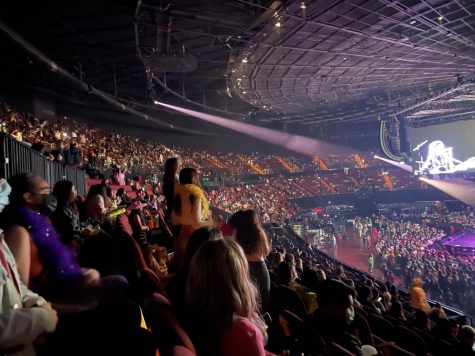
(221, 296)
(92, 157)
(190, 212)
(253, 240)
(189, 176)
(72, 156)
(370, 263)
(170, 178)
(418, 296)
(24, 315)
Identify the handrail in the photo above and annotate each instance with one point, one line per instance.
(17, 158)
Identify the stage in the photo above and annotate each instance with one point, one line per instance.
(462, 243)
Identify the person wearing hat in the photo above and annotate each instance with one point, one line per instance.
(24, 315)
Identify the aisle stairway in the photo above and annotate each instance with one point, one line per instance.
(287, 165)
(356, 182)
(251, 165)
(215, 161)
(327, 186)
(321, 163)
(388, 181)
(359, 161)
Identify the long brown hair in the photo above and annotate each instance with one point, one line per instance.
(250, 234)
(190, 176)
(219, 288)
(169, 179)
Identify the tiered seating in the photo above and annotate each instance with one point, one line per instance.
(404, 180)
(373, 327)
(340, 182)
(370, 178)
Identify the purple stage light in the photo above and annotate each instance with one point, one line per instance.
(297, 143)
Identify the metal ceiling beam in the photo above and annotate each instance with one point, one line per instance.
(361, 33)
(433, 98)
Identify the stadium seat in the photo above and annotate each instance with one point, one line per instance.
(165, 322)
(338, 350)
(309, 341)
(409, 340)
(380, 326)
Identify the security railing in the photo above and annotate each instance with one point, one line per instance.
(17, 157)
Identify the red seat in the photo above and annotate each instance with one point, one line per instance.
(124, 225)
(338, 350)
(162, 309)
(182, 351)
(150, 281)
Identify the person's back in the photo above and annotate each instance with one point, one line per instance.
(250, 235)
(223, 302)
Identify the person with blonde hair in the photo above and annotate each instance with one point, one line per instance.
(223, 302)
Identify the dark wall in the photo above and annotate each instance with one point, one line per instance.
(369, 198)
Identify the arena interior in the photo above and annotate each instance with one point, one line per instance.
(237, 177)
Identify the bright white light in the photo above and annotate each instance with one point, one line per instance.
(303, 6)
(244, 60)
(412, 22)
(278, 24)
(440, 18)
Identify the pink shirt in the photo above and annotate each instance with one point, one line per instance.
(242, 338)
(95, 207)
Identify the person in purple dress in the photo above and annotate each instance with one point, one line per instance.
(43, 261)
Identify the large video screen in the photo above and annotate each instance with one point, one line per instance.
(443, 149)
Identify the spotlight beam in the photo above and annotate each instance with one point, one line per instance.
(461, 189)
(296, 143)
(401, 165)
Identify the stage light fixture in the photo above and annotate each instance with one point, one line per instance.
(303, 6)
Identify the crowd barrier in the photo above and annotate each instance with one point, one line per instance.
(17, 157)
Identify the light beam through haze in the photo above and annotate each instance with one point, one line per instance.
(297, 143)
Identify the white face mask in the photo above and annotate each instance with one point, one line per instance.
(5, 190)
(350, 315)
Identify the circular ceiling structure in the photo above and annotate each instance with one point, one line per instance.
(360, 57)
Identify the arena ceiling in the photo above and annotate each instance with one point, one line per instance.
(297, 62)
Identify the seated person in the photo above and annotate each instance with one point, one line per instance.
(43, 261)
(24, 315)
(335, 314)
(286, 276)
(66, 215)
(95, 204)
